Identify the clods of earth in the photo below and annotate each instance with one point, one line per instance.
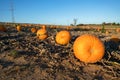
(24, 57)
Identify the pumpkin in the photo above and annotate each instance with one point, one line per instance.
(106, 32)
(63, 37)
(68, 27)
(115, 38)
(118, 30)
(18, 28)
(98, 29)
(42, 34)
(43, 27)
(33, 30)
(88, 27)
(88, 48)
(2, 28)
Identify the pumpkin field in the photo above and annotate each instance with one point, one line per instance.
(38, 52)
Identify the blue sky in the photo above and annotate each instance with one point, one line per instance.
(61, 11)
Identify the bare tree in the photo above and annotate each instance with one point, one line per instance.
(75, 22)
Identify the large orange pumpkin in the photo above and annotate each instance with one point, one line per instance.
(88, 48)
(18, 28)
(42, 34)
(63, 37)
(2, 28)
(33, 30)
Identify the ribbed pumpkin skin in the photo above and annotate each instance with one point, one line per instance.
(18, 28)
(88, 48)
(2, 28)
(33, 30)
(42, 34)
(63, 37)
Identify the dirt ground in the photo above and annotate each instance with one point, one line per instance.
(24, 57)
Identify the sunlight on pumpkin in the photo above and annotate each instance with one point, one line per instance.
(88, 48)
(63, 37)
(33, 30)
(18, 28)
(42, 34)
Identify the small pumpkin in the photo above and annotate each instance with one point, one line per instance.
(106, 32)
(63, 37)
(68, 27)
(2, 28)
(118, 30)
(43, 27)
(115, 38)
(88, 48)
(42, 34)
(98, 29)
(33, 30)
(18, 28)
